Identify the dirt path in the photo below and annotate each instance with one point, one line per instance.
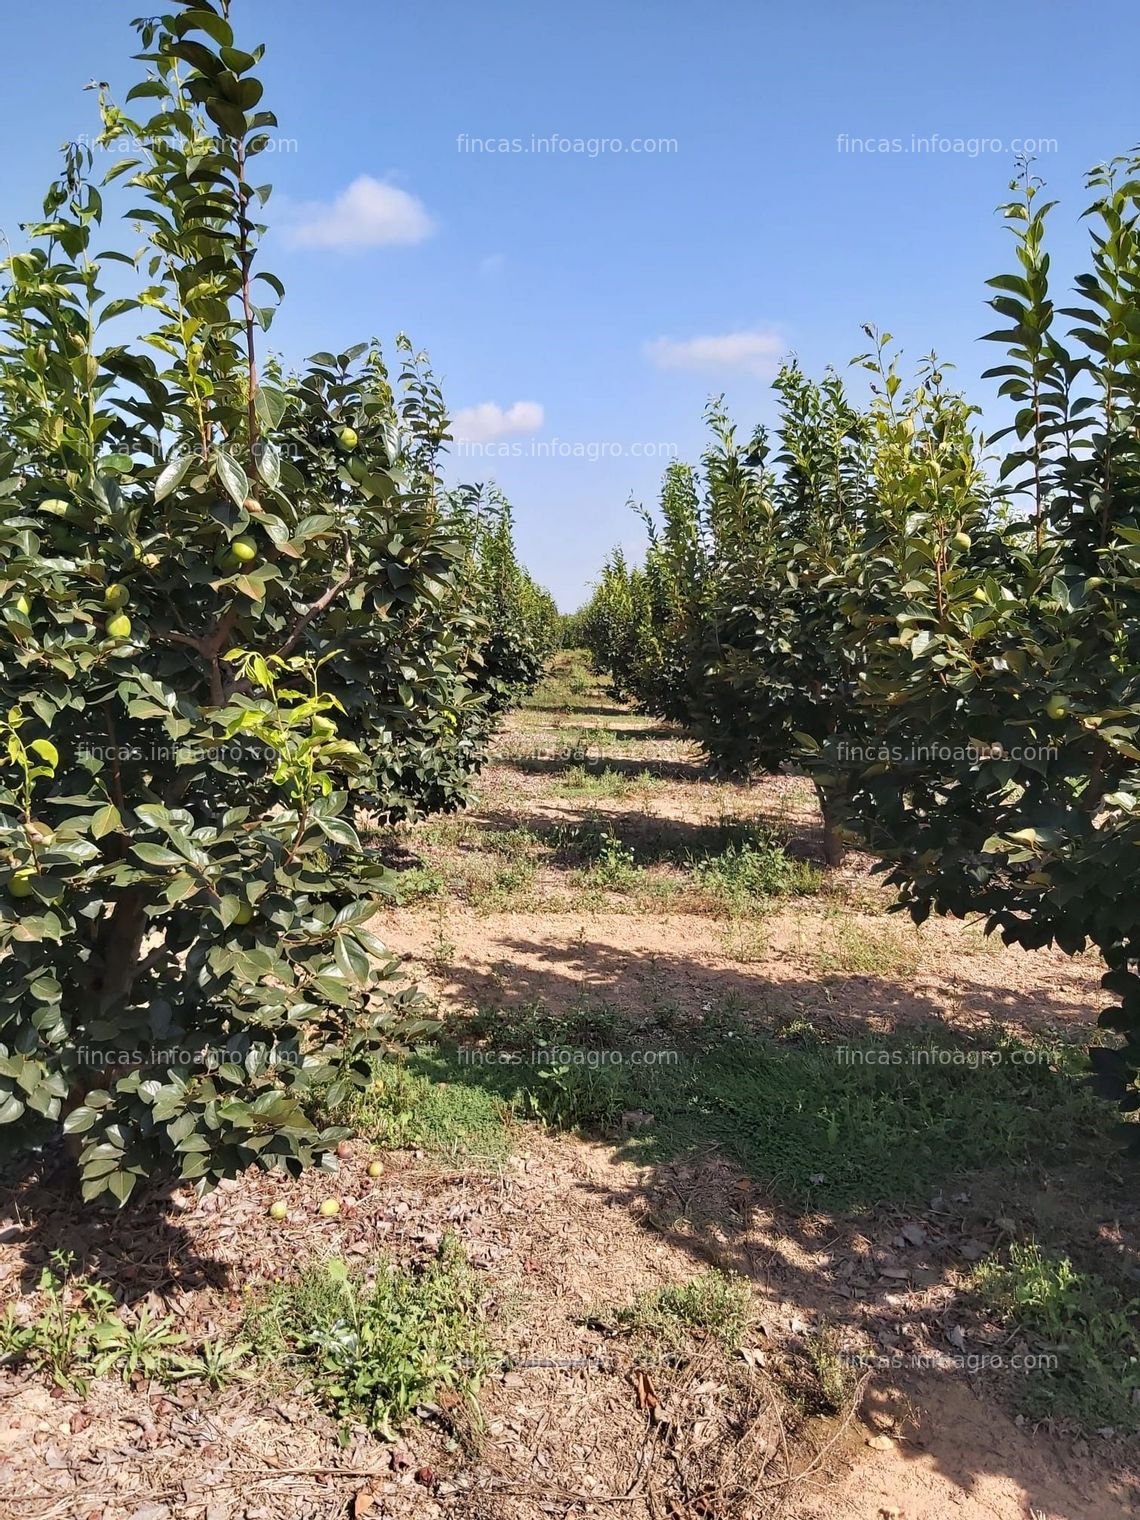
(578, 881)
(837, 960)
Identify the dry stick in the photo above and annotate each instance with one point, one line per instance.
(559, 1493)
(246, 256)
(856, 1400)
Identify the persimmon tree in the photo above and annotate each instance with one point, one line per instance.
(520, 616)
(1014, 702)
(735, 627)
(234, 620)
(954, 661)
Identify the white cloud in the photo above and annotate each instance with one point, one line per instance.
(369, 214)
(486, 422)
(757, 352)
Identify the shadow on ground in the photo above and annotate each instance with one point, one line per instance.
(137, 1250)
(597, 765)
(856, 1195)
(652, 838)
(562, 972)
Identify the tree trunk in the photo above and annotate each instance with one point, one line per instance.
(834, 850)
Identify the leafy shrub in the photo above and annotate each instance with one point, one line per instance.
(955, 665)
(521, 617)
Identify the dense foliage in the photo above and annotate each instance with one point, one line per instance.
(956, 665)
(524, 626)
(239, 612)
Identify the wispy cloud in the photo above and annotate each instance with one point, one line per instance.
(487, 421)
(369, 214)
(752, 350)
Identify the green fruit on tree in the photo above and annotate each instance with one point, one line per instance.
(227, 563)
(244, 914)
(116, 595)
(278, 1210)
(961, 541)
(244, 550)
(329, 1208)
(347, 438)
(118, 627)
(20, 882)
(1056, 706)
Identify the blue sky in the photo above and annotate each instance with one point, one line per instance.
(581, 302)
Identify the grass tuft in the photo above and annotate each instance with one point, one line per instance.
(713, 1304)
(820, 1123)
(413, 1109)
(1080, 1321)
(376, 1346)
(745, 874)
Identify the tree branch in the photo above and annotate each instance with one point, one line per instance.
(323, 601)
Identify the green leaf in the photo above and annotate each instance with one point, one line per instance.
(269, 402)
(339, 831)
(233, 478)
(10, 1108)
(121, 1185)
(211, 23)
(158, 855)
(352, 961)
(268, 462)
(172, 476)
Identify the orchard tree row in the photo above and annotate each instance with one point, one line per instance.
(240, 615)
(942, 630)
